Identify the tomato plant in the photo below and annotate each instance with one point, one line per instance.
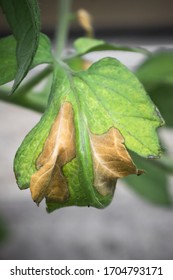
(98, 123)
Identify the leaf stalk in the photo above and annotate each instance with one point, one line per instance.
(62, 28)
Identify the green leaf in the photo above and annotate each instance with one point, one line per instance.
(86, 45)
(158, 69)
(98, 107)
(153, 185)
(24, 19)
(8, 63)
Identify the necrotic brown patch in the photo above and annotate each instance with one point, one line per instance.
(110, 160)
(59, 149)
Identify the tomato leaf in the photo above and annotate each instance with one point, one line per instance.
(158, 69)
(109, 111)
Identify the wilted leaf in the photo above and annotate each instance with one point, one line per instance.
(111, 112)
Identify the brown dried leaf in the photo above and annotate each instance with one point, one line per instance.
(59, 149)
(111, 160)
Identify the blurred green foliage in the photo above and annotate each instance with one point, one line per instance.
(3, 230)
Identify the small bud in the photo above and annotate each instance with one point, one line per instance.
(85, 21)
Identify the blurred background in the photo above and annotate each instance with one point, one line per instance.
(112, 17)
(139, 222)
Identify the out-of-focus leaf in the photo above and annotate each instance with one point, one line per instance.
(8, 63)
(156, 74)
(157, 69)
(165, 163)
(24, 19)
(153, 185)
(162, 96)
(3, 230)
(86, 45)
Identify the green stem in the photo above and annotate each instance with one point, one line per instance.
(62, 26)
(33, 101)
(34, 81)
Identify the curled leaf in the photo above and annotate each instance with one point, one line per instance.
(77, 151)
